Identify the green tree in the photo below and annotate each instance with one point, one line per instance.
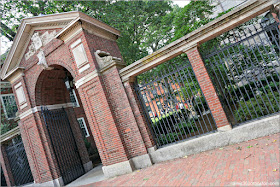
(138, 21)
(192, 16)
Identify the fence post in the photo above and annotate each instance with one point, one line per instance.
(208, 89)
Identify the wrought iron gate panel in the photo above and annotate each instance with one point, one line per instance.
(64, 144)
(19, 163)
(244, 65)
(173, 103)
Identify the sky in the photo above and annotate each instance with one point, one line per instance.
(181, 3)
(5, 43)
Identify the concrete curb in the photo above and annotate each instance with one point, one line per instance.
(245, 132)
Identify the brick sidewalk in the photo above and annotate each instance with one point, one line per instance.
(249, 163)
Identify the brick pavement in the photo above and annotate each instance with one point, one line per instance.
(254, 162)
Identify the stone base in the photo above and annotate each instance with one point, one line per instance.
(88, 166)
(54, 183)
(118, 169)
(251, 130)
(152, 149)
(224, 128)
(142, 161)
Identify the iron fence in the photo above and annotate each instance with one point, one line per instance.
(244, 67)
(18, 162)
(63, 143)
(173, 102)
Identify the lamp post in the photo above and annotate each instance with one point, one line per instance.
(68, 81)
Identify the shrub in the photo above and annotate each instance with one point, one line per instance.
(261, 106)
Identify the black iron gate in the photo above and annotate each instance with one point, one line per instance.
(64, 144)
(173, 102)
(244, 65)
(18, 162)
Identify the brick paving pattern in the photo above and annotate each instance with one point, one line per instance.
(254, 162)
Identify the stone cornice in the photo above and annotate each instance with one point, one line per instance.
(10, 134)
(114, 63)
(214, 28)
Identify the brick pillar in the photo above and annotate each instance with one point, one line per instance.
(139, 115)
(6, 166)
(112, 122)
(208, 89)
(37, 144)
(134, 141)
(103, 127)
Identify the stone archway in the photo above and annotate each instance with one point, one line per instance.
(60, 111)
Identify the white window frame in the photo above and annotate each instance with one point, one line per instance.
(76, 99)
(4, 107)
(85, 126)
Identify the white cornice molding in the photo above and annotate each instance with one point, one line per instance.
(49, 107)
(84, 19)
(10, 134)
(86, 78)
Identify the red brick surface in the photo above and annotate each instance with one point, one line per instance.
(234, 165)
(207, 88)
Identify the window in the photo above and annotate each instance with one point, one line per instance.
(9, 105)
(83, 126)
(73, 98)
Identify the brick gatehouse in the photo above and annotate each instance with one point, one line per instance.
(70, 82)
(74, 48)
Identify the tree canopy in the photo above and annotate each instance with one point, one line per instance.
(145, 25)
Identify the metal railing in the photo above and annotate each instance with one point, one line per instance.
(173, 102)
(18, 162)
(244, 67)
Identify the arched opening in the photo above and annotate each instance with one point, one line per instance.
(66, 123)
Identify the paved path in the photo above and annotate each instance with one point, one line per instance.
(255, 162)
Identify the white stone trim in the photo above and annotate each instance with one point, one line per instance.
(224, 128)
(86, 78)
(88, 166)
(14, 75)
(72, 35)
(142, 161)
(23, 106)
(85, 67)
(18, 85)
(118, 169)
(80, 55)
(20, 95)
(10, 134)
(54, 183)
(74, 44)
(50, 107)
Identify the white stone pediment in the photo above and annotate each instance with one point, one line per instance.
(37, 41)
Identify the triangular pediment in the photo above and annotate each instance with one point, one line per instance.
(36, 32)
